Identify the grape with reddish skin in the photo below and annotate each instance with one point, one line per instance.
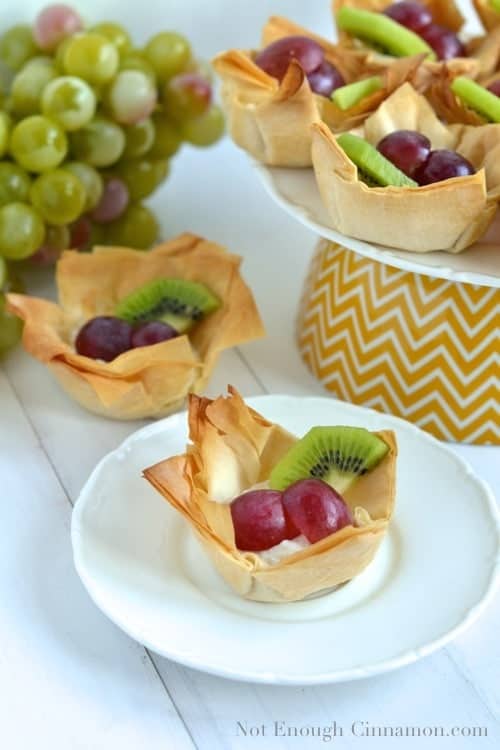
(494, 87)
(55, 23)
(444, 42)
(259, 520)
(276, 58)
(316, 509)
(80, 233)
(152, 332)
(325, 79)
(104, 337)
(114, 201)
(406, 149)
(187, 95)
(443, 164)
(413, 15)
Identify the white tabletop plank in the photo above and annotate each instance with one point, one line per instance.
(68, 677)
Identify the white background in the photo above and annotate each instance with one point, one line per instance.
(69, 679)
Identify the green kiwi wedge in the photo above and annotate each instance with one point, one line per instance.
(348, 96)
(477, 98)
(178, 302)
(373, 167)
(337, 455)
(382, 31)
(495, 4)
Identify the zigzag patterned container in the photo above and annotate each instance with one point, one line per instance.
(425, 349)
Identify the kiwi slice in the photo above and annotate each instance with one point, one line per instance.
(378, 29)
(371, 164)
(348, 96)
(178, 302)
(337, 455)
(477, 98)
(495, 4)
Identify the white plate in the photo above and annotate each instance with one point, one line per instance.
(296, 191)
(431, 578)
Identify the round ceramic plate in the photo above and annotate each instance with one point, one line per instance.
(431, 578)
(296, 191)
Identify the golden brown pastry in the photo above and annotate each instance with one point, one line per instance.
(149, 381)
(232, 448)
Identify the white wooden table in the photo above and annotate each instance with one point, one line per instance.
(69, 679)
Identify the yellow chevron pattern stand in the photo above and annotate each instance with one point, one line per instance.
(425, 349)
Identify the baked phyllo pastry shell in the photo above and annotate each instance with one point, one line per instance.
(233, 448)
(448, 215)
(490, 18)
(271, 119)
(148, 381)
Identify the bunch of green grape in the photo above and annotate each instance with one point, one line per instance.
(88, 124)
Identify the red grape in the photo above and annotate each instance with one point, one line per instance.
(276, 58)
(153, 332)
(325, 79)
(413, 15)
(406, 149)
(114, 200)
(494, 87)
(259, 520)
(81, 232)
(53, 24)
(444, 42)
(443, 164)
(104, 337)
(315, 508)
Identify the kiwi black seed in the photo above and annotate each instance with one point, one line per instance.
(337, 455)
(178, 302)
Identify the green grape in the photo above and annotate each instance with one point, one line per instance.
(204, 130)
(38, 143)
(100, 143)
(14, 183)
(142, 176)
(5, 126)
(4, 272)
(115, 34)
(17, 46)
(29, 83)
(167, 138)
(136, 61)
(21, 231)
(69, 101)
(11, 327)
(136, 228)
(59, 197)
(138, 138)
(60, 52)
(169, 53)
(91, 57)
(90, 179)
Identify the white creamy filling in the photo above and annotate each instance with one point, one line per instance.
(284, 549)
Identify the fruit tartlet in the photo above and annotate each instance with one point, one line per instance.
(459, 99)
(281, 519)
(406, 180)
(135, 332)
(272, 96)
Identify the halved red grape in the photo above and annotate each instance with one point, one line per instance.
(444, 42)
(276, 58)
(406, 149)
(443, 164)
(315, 508)
(259, 520)
(152, 332)
(413, 15)
(494, 87)
(325, 79)
(104, 337)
